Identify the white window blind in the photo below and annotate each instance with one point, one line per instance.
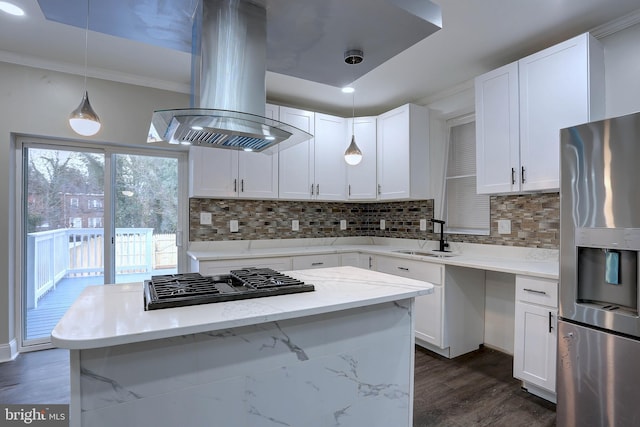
(466, 211)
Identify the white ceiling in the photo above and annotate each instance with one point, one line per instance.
(477, 36)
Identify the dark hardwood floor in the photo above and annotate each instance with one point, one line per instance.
(476, 389)
(38, 377)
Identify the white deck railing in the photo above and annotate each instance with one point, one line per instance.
(78, 252)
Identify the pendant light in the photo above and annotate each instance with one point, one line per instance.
(83, 120)
(353, 155)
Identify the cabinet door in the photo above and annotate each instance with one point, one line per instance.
(296, 163)
(258, 175)
(330, 167)
(554, 94)
(361, 178)
(213, 172)
(393, 154)
(428, 311)
(497, 131)
(535, 344)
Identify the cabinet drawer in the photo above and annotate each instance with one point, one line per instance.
(315, 261)
(210, 268)
(418, 270)
(537, 291)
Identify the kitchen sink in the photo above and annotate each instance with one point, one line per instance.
(425, 253)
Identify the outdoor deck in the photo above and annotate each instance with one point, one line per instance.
(53, 305)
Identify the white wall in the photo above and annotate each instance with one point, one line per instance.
(622, 72)
(37, 102)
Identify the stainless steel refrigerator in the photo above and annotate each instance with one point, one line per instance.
(598, 375)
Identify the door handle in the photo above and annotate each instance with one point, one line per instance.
(513, 176)
(312, 189)
(242, 185)
(235, 185)
(403, 268)
(550, 326)
(535, 291)
(523, 180)
(317, 189)
(349, 189)
(317, 263)
(379, 189)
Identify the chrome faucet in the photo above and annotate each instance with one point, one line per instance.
(443, 243)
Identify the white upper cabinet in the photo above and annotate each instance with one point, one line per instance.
(217, 172)
(559, 87)
(213, 172)
(498, 131)
(403, 153)
(361, 178)
(297, 162)
(556, 88)
(329, 166)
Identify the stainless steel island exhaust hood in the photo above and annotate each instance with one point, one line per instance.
(234, 42)
(228, 83)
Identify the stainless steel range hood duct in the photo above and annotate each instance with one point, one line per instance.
(228, 83)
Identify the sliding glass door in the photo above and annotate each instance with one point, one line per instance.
(145, 216)
(93, 217)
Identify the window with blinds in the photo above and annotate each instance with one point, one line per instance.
(466, 212)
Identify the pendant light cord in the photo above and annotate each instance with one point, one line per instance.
(86, 45)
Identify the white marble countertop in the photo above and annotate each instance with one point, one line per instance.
(541, 263)
(110, 315)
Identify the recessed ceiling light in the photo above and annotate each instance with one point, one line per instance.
(270, 138)
(247, 149)
(348, 89)
(11, 8)
(197, 127)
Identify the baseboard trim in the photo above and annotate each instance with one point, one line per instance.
(8, 351)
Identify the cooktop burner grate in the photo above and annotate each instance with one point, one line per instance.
(176, 290)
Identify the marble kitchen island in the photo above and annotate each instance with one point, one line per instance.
(339, 356)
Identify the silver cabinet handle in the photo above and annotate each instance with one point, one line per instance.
(522, 178)
(317, 189)
(235, 185)
(550, 327)
(317, 263)
(370, 263)
(513, 176)
(379, 189)
(403, 268)
(242, 185)
(349, 189)
(312, 189)
(535, 291)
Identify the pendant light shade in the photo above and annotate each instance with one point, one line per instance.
(83, 120)
(353, 155)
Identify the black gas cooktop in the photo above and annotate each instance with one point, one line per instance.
(177, 290)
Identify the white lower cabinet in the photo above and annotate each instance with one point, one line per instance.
(450, 321)
(304, 262)
(429, 308)
(535, 337)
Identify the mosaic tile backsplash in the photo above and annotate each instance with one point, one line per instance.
(535, 220)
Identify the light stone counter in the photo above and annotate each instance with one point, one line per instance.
(341, 355)
(534, 262)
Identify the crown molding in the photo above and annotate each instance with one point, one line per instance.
(618, 24)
